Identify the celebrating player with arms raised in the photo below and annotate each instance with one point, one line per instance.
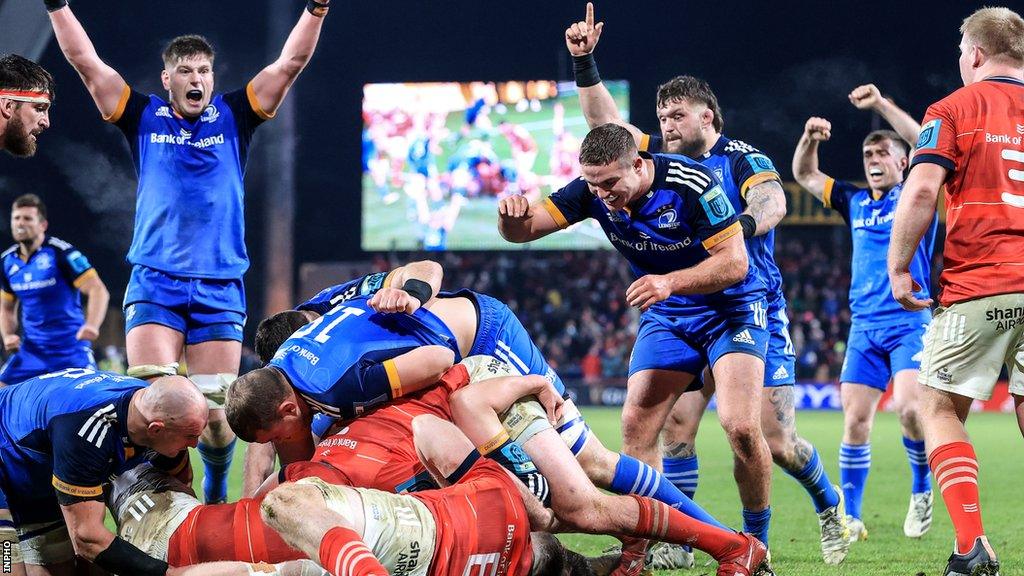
(188, 253)
(691, 124)
(885, 341)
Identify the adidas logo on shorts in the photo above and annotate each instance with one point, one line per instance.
(744, 338)
(780, 373)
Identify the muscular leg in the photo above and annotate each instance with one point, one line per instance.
(216, 445)
(679, 437)
(1018, 402)
(859, 405)
(650, 395)
(739, 381)
(153, 344)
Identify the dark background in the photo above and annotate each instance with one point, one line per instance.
(771, 64)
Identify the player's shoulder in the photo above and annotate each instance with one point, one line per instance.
(58, 244)
(734, 148)
(9, 252)
(681, 174)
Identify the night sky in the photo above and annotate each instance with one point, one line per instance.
(772, 64)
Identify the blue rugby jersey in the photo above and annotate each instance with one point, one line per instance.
(341, 363)
(331, 296)
(672, 227)
(740, 167)
(71, 424)
(870, 222)
(47, 287)
(189, 217)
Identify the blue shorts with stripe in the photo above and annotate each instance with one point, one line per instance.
(780, 360)
(873, 355)
(202, 309)
(689, 343)
(500, 334)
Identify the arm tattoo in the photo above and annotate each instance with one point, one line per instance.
(766, 202)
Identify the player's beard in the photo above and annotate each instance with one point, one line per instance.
(17, 140)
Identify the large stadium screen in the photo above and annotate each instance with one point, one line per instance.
(437, 158)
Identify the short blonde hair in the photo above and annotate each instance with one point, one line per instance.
(999, 31)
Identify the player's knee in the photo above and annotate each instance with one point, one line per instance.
(286, 500)
(743, 433)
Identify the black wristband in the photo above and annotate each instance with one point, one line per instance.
(318, 9)
(748, 224)
(584, 68)
(418, 289)
(54, 5)
(123, 558)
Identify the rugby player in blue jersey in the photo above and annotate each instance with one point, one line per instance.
(691, 124)
(495, 331)
(43, 276)
(22, 82)
(702, 302)
(188, 253)
(885, 341)
(62, 435)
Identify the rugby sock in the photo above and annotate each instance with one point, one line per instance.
(216, 463)
(854, 465)
(815, 481)
(634, 477)
(659, 521)
(757, 523)
(342, 551)
(919, 470)
(956, 472)
(682, 472)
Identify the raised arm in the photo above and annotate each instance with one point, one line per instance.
(519, 221)
(766, 204)
(104, 84)
(272, 83)
(595, 100)
(805, 157)
(867, 97)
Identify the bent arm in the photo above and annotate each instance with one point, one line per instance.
(98, 301)
(424, 270)
(903, 123)
(537, 224)
(85, 525)
(420, 368)
(271, 85)
(8, 314)
(805, 167)
(475, 408)
(726, 264)
(104, 84)
(766, 204)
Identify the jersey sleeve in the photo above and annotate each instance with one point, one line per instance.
(569, 205)
(711, 214)
(246, 109)
(6, 292)
(128, 113)
(650, 143)
(837, 196)
(937, 142)
(73, 264)
(750, 168)
(83, 449)
(333, 295)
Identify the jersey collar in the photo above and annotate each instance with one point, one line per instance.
(1005, 80)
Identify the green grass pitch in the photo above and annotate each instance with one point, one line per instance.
(794, 534)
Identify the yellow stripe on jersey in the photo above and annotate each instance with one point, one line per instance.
(722, 236)
(759, 178)
(126, 92)
(80, 491)
(254, 103)
(826, 198)
(555, 213)
(396, 383)
(645, 142)
(7, 296)
(492, 444)
(83, 277)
